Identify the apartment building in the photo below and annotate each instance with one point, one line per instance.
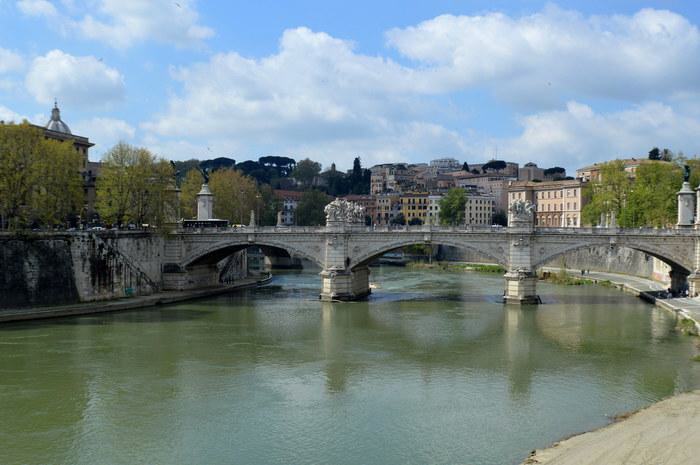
(479, 208)
(558, 204)
(415, 205)
(289, 201)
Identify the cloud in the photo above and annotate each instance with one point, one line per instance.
(578, 136)
(104, 133)
(8, 115)
(123, 23)
(84, 81)
(540, 58)
(37, 8)
(10, 61)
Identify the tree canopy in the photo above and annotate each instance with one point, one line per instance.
(40, 179)
(309, 211)
(452, 206)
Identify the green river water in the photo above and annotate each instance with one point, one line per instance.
(432, 369)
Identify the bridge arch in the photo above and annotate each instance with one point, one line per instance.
(363, 258)
(213, 253)
(683, 264)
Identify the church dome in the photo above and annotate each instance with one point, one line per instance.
(55, 123)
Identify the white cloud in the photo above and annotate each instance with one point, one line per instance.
(37, 8)
(8, 115)
(124, 23)
(578, 136)
(104, 133)
(10, 61)
(538, 58)
(84, 81)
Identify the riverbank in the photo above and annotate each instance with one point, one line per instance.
(664, 433)
(129, 303)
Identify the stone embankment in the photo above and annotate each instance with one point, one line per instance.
(665, 433)
(161, 298)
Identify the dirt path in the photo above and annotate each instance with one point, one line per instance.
(666, 433)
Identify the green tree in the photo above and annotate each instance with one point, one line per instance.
(309, 211)
(58, 190)
(654, 154)
(134, 186)
(235, 195)
(190, 186)
(465, 166)
(608, 194)
(452, 206)
(652, 198)
(306, 171)
(40, 179)
(399, 219)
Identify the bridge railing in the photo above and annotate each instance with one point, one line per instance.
(619, 231)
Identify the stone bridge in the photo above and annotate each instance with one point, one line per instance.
(343, 251)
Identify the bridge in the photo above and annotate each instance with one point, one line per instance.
(343, 251)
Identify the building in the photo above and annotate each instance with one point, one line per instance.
(558, 204)
(415, 205)
(593, 172)
(510, 169)
(433, 215)
(388, 207)
(530, 172)
(495, 185)
(479, 208)
(57, 129)
(289, 202)
(443, 165)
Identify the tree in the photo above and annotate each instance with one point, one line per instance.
(652, 198)
(309, 211)
(666, 155)
(235, 195)
(607, 195)
(360, 178)
(39, 179)
(398, 220)
(134, 186)
(58, 191)
(306, 171)
(654, 154)
(465, 166)
(189, 188)
(493, 165)
(415, 221)
(452, 206)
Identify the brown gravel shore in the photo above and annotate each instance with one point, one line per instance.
(666, 433)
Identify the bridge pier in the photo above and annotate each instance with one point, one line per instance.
(344, 284)
(521, 288)
(679, 281)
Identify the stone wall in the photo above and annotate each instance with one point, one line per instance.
(57, 269)
(36, 272)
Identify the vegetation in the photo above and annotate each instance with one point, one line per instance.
(135, 187)
(310, 212)
(40, 182)
(457, 267)
(687, 326)
(306, 171)
(452, 207)
(649, 200)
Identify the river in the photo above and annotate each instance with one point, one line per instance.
(431, 369)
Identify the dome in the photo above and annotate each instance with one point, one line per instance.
(55, 123)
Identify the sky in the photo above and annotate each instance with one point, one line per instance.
(560, 84)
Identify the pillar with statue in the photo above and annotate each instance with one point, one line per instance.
(338, 280)
(521, 279)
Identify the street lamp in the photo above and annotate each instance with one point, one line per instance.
(257, 208)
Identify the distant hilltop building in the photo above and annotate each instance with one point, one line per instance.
(57, 129)
(592, 172)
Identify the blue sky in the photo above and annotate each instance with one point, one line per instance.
(565, 83)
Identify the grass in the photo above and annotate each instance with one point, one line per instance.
(696, 358)
(566, 279)
(456, 267)
(687, 326)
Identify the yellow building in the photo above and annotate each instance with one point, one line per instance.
(415, 205)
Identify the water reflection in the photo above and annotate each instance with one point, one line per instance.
(431, 369)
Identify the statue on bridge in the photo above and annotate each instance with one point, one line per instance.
(522, 209)
(342, 211)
